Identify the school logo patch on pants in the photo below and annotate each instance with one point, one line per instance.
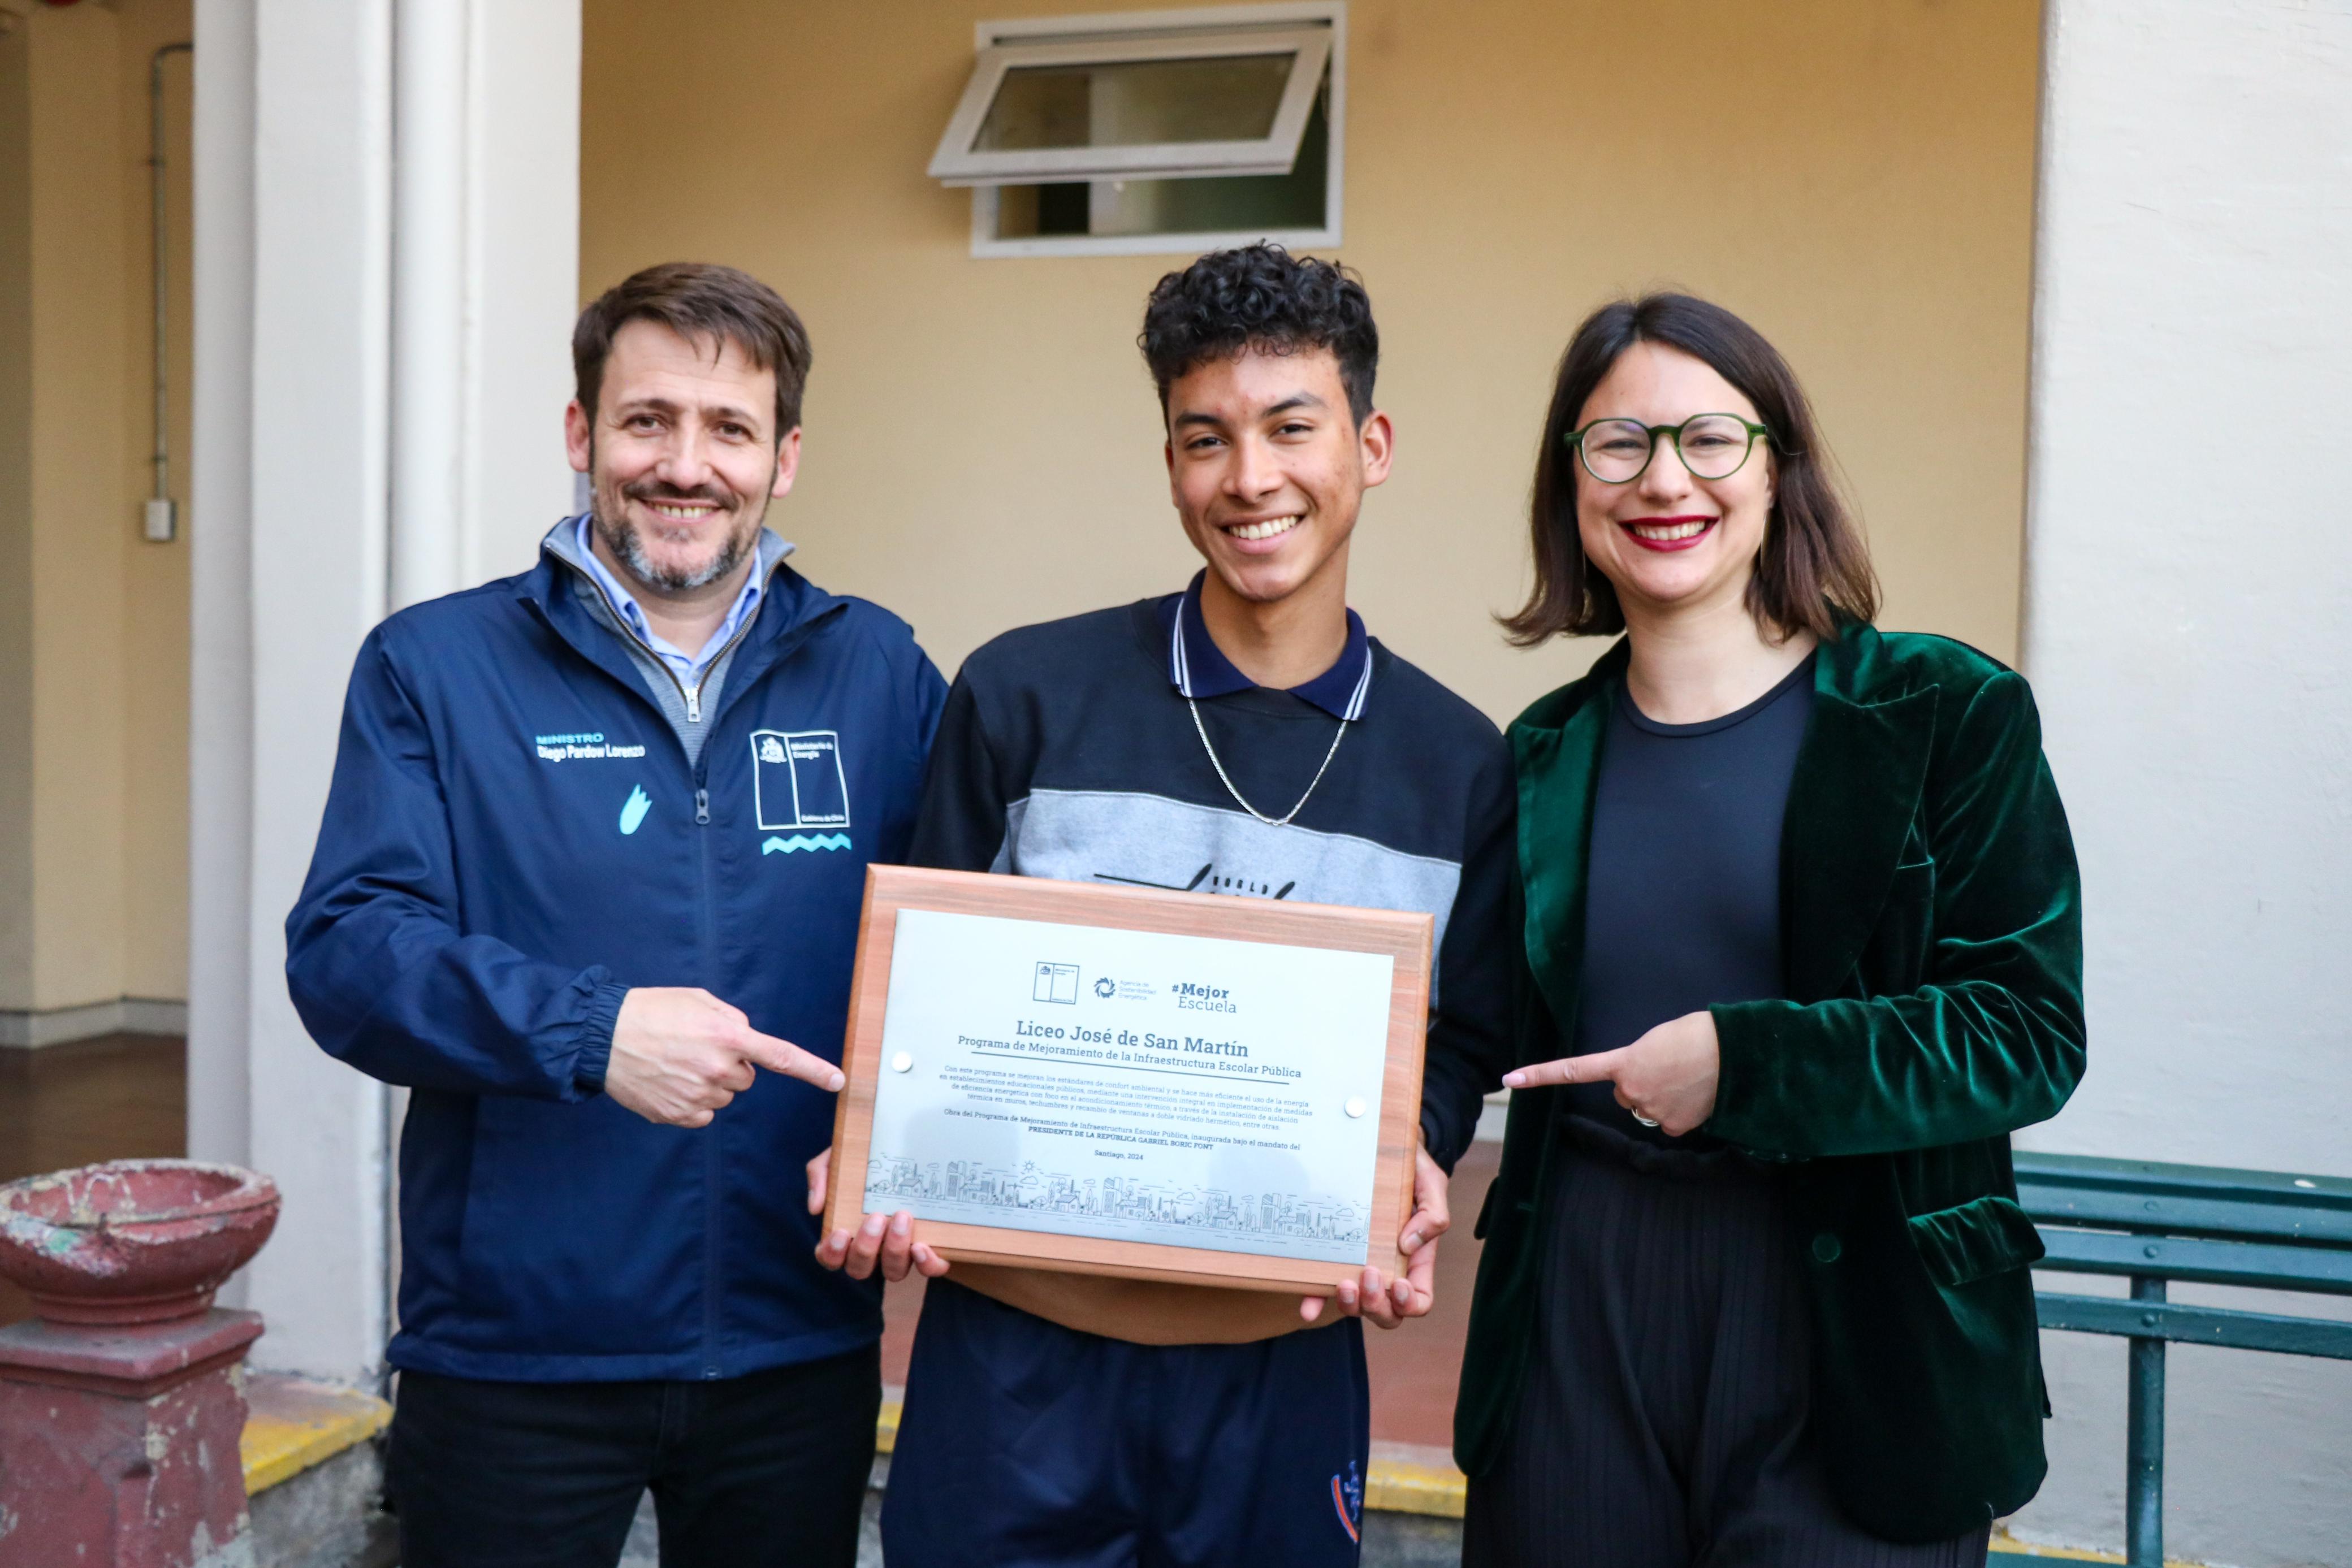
(1347, 1498)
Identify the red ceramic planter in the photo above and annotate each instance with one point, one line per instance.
(132, 1241)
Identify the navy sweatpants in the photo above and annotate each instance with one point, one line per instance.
(1025, 1443)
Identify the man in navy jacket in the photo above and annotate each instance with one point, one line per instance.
(591, 859)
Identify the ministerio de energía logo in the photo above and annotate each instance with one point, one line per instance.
(1062, 983)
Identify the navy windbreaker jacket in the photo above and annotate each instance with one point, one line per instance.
(514, 837)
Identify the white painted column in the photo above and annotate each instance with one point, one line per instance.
(485, 249)
(286, 585)
(2188, 632)
(522, 198)
(316, 510)
(430, 114)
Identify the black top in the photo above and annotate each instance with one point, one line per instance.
(1068, 750)
(1682, 907)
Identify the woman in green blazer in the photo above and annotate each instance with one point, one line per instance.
(1803, 947)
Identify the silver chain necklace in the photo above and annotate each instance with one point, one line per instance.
(1283, 820)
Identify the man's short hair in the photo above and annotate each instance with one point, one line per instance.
(701, 302)
(1261, 296)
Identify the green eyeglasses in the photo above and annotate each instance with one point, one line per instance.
(1711, 445)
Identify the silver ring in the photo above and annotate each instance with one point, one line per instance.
(1645, 1121)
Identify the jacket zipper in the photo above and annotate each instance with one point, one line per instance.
(713, 1185)
(713, 1175)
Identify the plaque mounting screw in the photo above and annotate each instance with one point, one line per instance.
(1355, 1106)
(902, 1061)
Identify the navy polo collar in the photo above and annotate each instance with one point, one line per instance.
(1197, 667)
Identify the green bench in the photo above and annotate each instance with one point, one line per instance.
(2153, 1224)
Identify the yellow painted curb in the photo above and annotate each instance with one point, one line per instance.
(295, 1425)
(1410, 1477)
(2004, 1544)
(292, 1424)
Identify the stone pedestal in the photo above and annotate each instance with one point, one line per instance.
(121, 1406)
(119, 1444)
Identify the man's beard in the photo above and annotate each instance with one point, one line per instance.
(610, 520)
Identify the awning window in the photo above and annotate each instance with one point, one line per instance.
(1189, 104)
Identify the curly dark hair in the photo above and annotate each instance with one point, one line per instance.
(1261, 296)
(1813, 572)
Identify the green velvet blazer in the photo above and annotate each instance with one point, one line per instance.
(1931, 934)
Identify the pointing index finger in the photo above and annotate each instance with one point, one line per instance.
(1589, 1069)
(782, 1056)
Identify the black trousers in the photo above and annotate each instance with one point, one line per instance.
(767, 1470)
(1662, 1424)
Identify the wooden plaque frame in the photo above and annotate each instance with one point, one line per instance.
(1405, 937)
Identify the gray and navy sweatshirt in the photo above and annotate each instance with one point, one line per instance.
(1067, 750)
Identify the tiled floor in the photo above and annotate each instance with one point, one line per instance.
(1413, 1369)
(120, 1096)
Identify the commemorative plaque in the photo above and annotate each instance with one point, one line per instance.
(1160, 1085)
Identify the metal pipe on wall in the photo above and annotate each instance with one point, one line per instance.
(162, 523)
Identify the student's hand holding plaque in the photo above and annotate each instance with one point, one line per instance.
(884, 1242)
(1411, 1295)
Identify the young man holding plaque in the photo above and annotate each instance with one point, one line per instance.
(1243, 736)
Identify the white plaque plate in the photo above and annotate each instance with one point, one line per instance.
(1131, 1085)
(1140, 1082)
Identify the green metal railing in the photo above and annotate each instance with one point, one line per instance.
(2153, 1224)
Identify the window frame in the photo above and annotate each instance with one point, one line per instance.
(958, 163)
(1098, 30)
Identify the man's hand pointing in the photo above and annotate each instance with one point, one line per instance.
(679, 1054)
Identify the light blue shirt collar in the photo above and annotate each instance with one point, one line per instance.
(689, 668)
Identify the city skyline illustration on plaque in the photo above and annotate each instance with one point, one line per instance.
(1032, 1191)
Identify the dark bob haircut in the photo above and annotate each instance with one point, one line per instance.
(1261, 296)
(1813, 572)
(701, 302)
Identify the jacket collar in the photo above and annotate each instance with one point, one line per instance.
(561, 543)
(573, 548)
(791, 609)
(1859, 776)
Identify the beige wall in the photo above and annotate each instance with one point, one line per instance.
(92, 660)
(1855, 176)
(155, 577)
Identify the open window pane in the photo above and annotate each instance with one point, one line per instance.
(1191, 105)
(1136, 102)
